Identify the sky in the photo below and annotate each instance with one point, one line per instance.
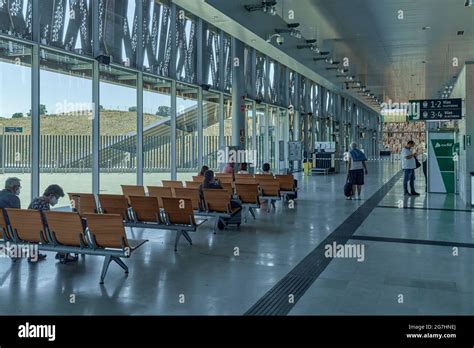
(60, 91)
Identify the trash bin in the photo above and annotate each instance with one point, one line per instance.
(307, 167)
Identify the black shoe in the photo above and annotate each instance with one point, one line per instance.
(415, 194)
(40, 257)
(407, 194)
(220, 225)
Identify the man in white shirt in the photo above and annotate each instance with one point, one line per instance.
(409, 166)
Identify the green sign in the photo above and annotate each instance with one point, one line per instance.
(443, 156)
(13, 129)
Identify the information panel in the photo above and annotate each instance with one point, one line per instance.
(436, 109)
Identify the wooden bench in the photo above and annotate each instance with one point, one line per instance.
(198, 178)
(190, 193)
(287, 185)
(4, 228)
(172, 183)
(105, 235)
(133, 190)
(217, 204)
(160, 192)
(115, 204)
(249, 196)
(83, 203)
(270, 192)
(245, 180)
(193, 184)
(179, 214)
(147, 213)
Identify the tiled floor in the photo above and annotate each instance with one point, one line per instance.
(211, 279)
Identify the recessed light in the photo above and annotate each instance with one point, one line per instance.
(461, 32)
(253, 41)
(426, 28)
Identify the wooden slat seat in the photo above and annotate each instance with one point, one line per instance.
(198, 178)
(66, 228)
(27, 225)
(228, 186)
(114, 204)
(193, 184)
(146, 209)
(218, 201)
(133, 190)
(237, 175)
(263, 178)
(107, 231)
(245, 180)
(270, 192)
(180, 212)
(83, 203)
(160, 192)
(286, 182)
(4, 228)
(190, 193)
(172, 183)
(249, 196)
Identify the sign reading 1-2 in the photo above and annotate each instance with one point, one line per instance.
(437, 109)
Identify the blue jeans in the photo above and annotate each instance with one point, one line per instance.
(409, 175)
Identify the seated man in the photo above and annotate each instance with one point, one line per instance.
(9, 195)
(50, 198)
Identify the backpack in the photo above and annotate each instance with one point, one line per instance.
(348, 188)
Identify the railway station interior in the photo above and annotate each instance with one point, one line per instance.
(204, 157)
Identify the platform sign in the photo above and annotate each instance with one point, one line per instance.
(295, 151)
(435, 110)
(13, 129)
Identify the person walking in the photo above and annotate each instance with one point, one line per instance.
(408, 158)
(357, 167)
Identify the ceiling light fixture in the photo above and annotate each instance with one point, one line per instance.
(266, 6)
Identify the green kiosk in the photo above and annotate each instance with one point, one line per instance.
(442, 145)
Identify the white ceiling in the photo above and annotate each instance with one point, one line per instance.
(385, 52)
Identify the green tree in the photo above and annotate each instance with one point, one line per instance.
(17, 115)
(43, 110)
(164, 111)
(132, 109)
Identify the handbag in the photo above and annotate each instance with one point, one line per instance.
(417, 163)
(348, 187)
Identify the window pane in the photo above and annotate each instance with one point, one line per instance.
(186, 132)
(210, 126)
(157, 36)
(15, 18)
(118, 34)
(15, 111)
(66, 111)
(260, 132)
(227, 63)
(227, 120)
(212, 74)
(118, 129)
(67, 24)
(186, 44)
(156, 130)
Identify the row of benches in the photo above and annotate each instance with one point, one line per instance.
(99, 229)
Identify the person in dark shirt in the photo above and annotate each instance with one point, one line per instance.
(203, 170)
(50, 198)
(9, 195)
(210, 183)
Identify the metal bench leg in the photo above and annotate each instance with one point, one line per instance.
(105, 267)
(245, 209)
(273, 204)
(178, 236)
(269, 205)
(252, 211)
(119, 261)
(216, 224)
(188, 238)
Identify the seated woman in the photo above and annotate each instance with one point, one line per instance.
(203, 170)
(266, 169)
(243, 169)
(210, 183)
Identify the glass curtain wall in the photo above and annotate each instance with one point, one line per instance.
(15, 114)
(272, 136)
(210, 127)
(156, 130)
(260, 115)
(118, 129)
(66, 111)
(186, 132)
(227, 120)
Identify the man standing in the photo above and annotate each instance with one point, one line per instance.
(409, 166)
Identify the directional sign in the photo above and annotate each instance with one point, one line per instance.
(13, 129)
(436, 109)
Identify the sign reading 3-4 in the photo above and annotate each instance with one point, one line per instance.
(436, 109)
